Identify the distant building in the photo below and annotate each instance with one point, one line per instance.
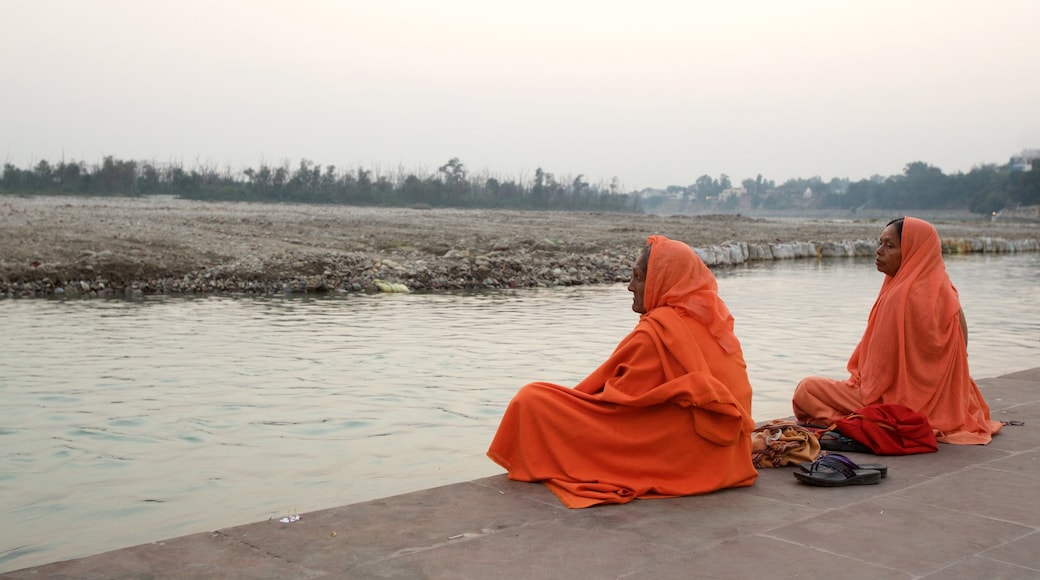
(732, 192)
(1024, 160)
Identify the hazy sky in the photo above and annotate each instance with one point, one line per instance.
(655, 93)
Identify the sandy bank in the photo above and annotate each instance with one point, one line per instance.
(152, 245)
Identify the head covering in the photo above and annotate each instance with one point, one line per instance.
(677, 278)
(922, 266)
(913, 351)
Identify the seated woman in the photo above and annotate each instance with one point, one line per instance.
(914, 351)
(668, 414)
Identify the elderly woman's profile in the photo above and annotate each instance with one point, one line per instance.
(667, 414)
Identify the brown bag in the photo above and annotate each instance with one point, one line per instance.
(780, 442)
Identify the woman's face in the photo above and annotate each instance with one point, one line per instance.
(637, 286)
(889, 256)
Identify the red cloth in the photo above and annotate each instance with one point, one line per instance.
(913, 352)
(889, 429)
(668, 414)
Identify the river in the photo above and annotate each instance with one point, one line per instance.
(125, 422)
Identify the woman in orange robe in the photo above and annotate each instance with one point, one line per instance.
(914, 351)
(668, 414)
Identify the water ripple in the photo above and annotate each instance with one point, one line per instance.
(138, 421)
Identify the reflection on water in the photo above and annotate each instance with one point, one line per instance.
(124, 423)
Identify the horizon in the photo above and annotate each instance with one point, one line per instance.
(654, 96)
(561, 177)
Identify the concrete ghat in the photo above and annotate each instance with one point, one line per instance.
(741, 252)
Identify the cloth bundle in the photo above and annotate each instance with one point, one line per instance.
(889, 429)
(779, 443)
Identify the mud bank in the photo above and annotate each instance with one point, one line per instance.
(133, 247)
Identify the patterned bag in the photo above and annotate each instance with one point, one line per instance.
(780, 442)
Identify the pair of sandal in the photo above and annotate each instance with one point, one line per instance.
(836, 470)
(835, 440)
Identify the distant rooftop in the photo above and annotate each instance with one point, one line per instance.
(1024, 160)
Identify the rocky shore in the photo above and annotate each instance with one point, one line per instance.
(133, 247)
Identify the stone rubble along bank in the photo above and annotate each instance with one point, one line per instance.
(455, 270)
(346, 273)
(161, 245)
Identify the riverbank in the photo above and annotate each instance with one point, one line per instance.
(966, 511)
(116, 247)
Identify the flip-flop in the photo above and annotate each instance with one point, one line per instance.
(834, 440)
(835, 473)
(879, 467)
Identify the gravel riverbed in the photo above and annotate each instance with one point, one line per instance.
(131, 247)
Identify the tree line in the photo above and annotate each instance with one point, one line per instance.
(984, 189)
(451, 185)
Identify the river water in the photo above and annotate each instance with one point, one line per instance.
(128, 422)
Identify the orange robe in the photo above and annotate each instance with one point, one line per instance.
(668, 414)
(913, 352)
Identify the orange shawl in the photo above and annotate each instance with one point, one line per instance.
(668, 414)
(913, 351)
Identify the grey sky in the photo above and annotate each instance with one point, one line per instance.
(654, 93)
